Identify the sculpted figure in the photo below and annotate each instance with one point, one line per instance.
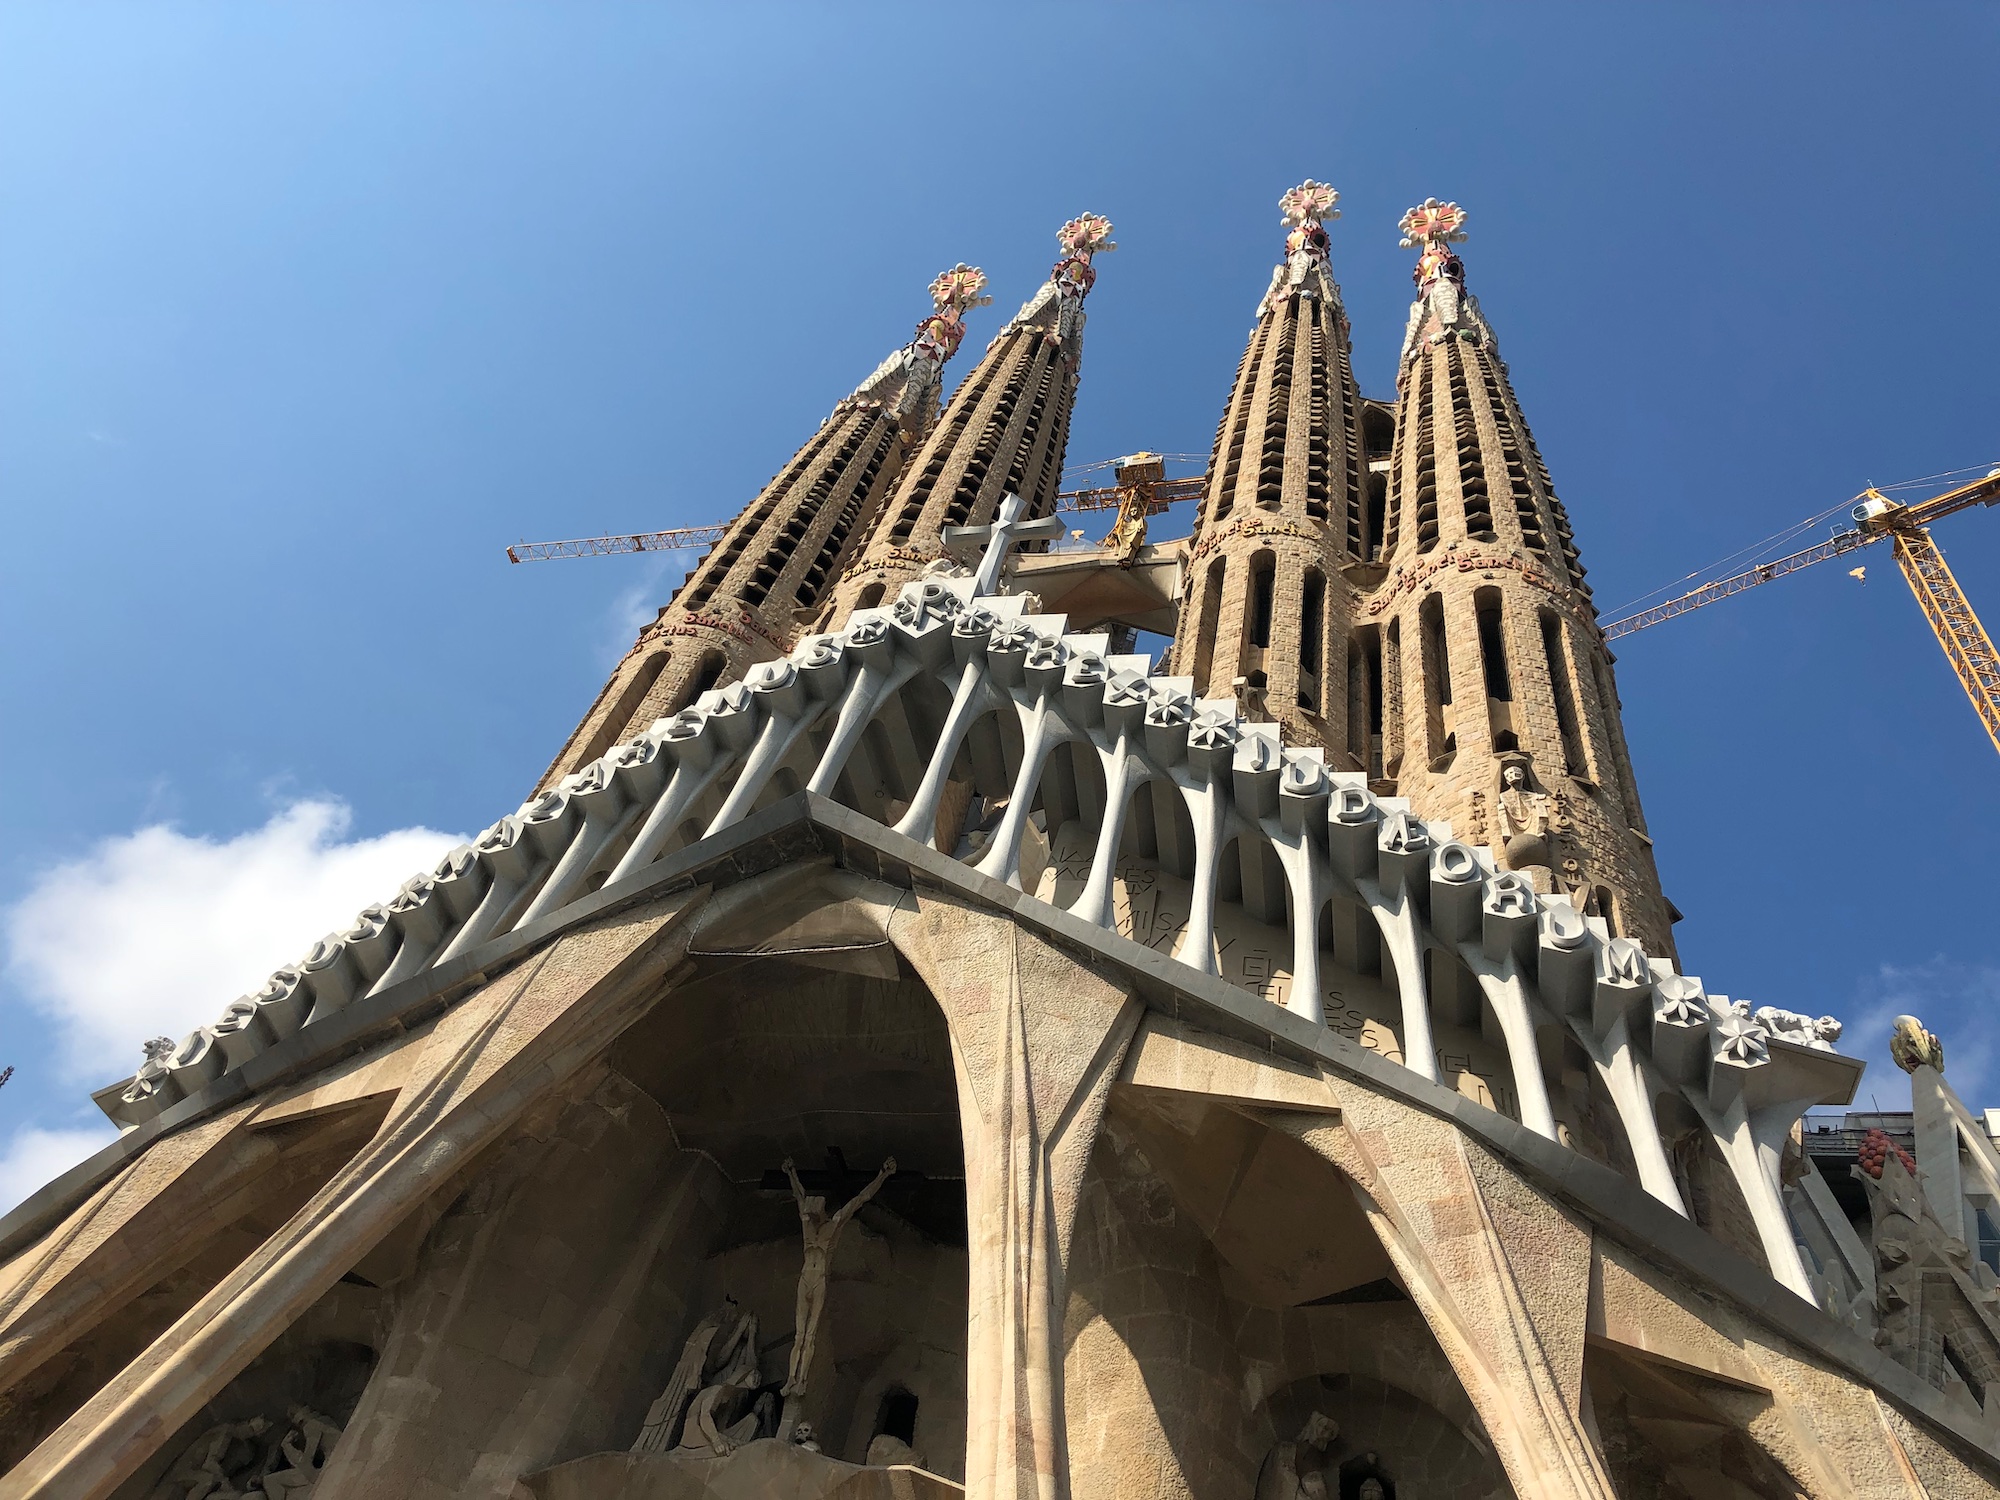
(1793, 1026)
(1523, 816)
(664, 1419)
(305, 1451)
(1913, 1047)
(1281, 1477)
(713, 1425)
(820, 1233)
(204, 1467)
(1128, 532)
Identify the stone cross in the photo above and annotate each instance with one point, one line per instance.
(1001, 538)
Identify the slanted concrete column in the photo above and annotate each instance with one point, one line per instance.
(1501, 1274)
(1936, 1130)
(488, 1060)
(1037, 1039)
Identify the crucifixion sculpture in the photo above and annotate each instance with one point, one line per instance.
(821, 1231)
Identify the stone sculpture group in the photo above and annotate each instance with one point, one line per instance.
(227, 1462)
(714, 1402)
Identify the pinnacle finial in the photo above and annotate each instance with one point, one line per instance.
(1432, 223)
(1434, 227)
(1309, 203)
(954, 291)
(1306, 208)
(1085, 235)
(960, 288)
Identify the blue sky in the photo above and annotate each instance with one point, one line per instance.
(307, 311)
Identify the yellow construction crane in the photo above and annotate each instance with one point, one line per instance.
(1878, 518)
(1159, 495)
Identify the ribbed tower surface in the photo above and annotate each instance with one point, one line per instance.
(749, 599)
(1004, 432)
(1480, 656)
(1267, 606)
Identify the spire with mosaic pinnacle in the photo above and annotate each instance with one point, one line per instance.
(1004, 432)
(1491, 682)
(1265, 615)
(747, 599)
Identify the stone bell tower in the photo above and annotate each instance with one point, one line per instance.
(1265, 617)
(1004, 432)
(1479, 654)
(745, 601)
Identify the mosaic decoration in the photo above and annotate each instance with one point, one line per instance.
(1432, 222)
(1309, 203)
(1086, 235)
(953, 292)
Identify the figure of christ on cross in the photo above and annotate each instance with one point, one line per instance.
(821, 1230)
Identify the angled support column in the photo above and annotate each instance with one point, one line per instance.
(1501, 1275)
(489, 1059)
(1037, 1040)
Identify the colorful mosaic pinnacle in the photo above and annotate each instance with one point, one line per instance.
(1086, 235)
(1433, 223)
(1305, 208)
(1434, 227)
(960, 288)
(952, 293)
(1309, 203)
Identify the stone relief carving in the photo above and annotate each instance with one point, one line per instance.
(714, 1337)
(820, 1231)
(1291, 1470)
(1913, 1047)
(1526, 817)
(206, 1466)
(716, 1422)
(228, 1463)
(1795, 1026)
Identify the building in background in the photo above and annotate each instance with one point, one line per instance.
(913, 1044)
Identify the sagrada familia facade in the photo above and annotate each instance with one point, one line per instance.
(911, 1043)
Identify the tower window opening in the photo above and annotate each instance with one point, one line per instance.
(1493, 647)
(625, 710)
(1277, 416)
(1364, 700)
(1389, 707)
(1351, 447)
(1440, 739)
(1607, 908)
(1564, 693)
(871, 597)
(1263, 585)
(1621, 754)
(1475, 504)
(1318, 465)
(707, 674)
(1312, 626)
(1424, 509)
(1211, 621)
(1237, 420)
(1378, 511)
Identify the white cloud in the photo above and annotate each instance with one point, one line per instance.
(151, 933)
(34, 1156)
